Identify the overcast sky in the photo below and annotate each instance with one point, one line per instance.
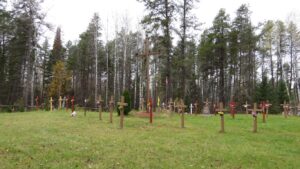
(73, 16)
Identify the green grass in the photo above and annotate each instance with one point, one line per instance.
(55, 140)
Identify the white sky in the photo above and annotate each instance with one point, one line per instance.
(74, 15)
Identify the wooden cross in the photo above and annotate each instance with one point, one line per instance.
(72, 101)
(232, 106)
(246, 105)
(111, 109)
(60, 100)
(267, 107)
(142, 102)
(263, 107)
(121, 105)
(100, 101)
(147, 55)
(221, 111)
(51, 106)
(37, 102)
(254, 114)
(181, 107)
(170, 105)
(85, 102)
(196, 107)
(286, 107)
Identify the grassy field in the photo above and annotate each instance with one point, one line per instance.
(55, 140)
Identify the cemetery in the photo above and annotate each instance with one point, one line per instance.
(163, 85)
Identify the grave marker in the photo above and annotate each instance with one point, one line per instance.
(121, 105)
(111, 109)
(254, 114)
(221, 111)
(170, 105)
(206, 107)
(263, 107)
(267, 107)
(196, 107)
(232, 106)
(191, 108)
(286, 108)
(60, 101)
(72, 101)
(37, 102)
(181, 107)
(51, 106)
(85, 102)
(100, 101)
(246, 105)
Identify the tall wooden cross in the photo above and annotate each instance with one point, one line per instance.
(181, 107)
(100, 101)
(221, 111)
(254, 114)
(286, 107)
(147, 54)
(59, 102)
(72, 101)
(51, 106)
(37, 102)
(246, 105)
(111, 109)
(121, 105)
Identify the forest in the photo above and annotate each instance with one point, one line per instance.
(233, 60)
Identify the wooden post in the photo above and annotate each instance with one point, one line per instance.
(72, 101)
(100, 101)
(111, 109)
(246, 105)
(51, 106)
(59, 100)
(121, 105)
(37, 103)
(85, 101)
(254, 114)
(221, 111)
(286, 107)
(232, 106)
(150, 110)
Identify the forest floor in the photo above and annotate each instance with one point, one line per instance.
(56, 140)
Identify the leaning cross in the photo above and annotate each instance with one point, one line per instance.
(60, 100)
(181, 108)
(100, 101)
(254, 114)
(221, 111)
(51, 106)
(111, 109)
(286, 107)
(121, 105)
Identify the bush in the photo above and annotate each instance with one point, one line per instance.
(127, 99)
